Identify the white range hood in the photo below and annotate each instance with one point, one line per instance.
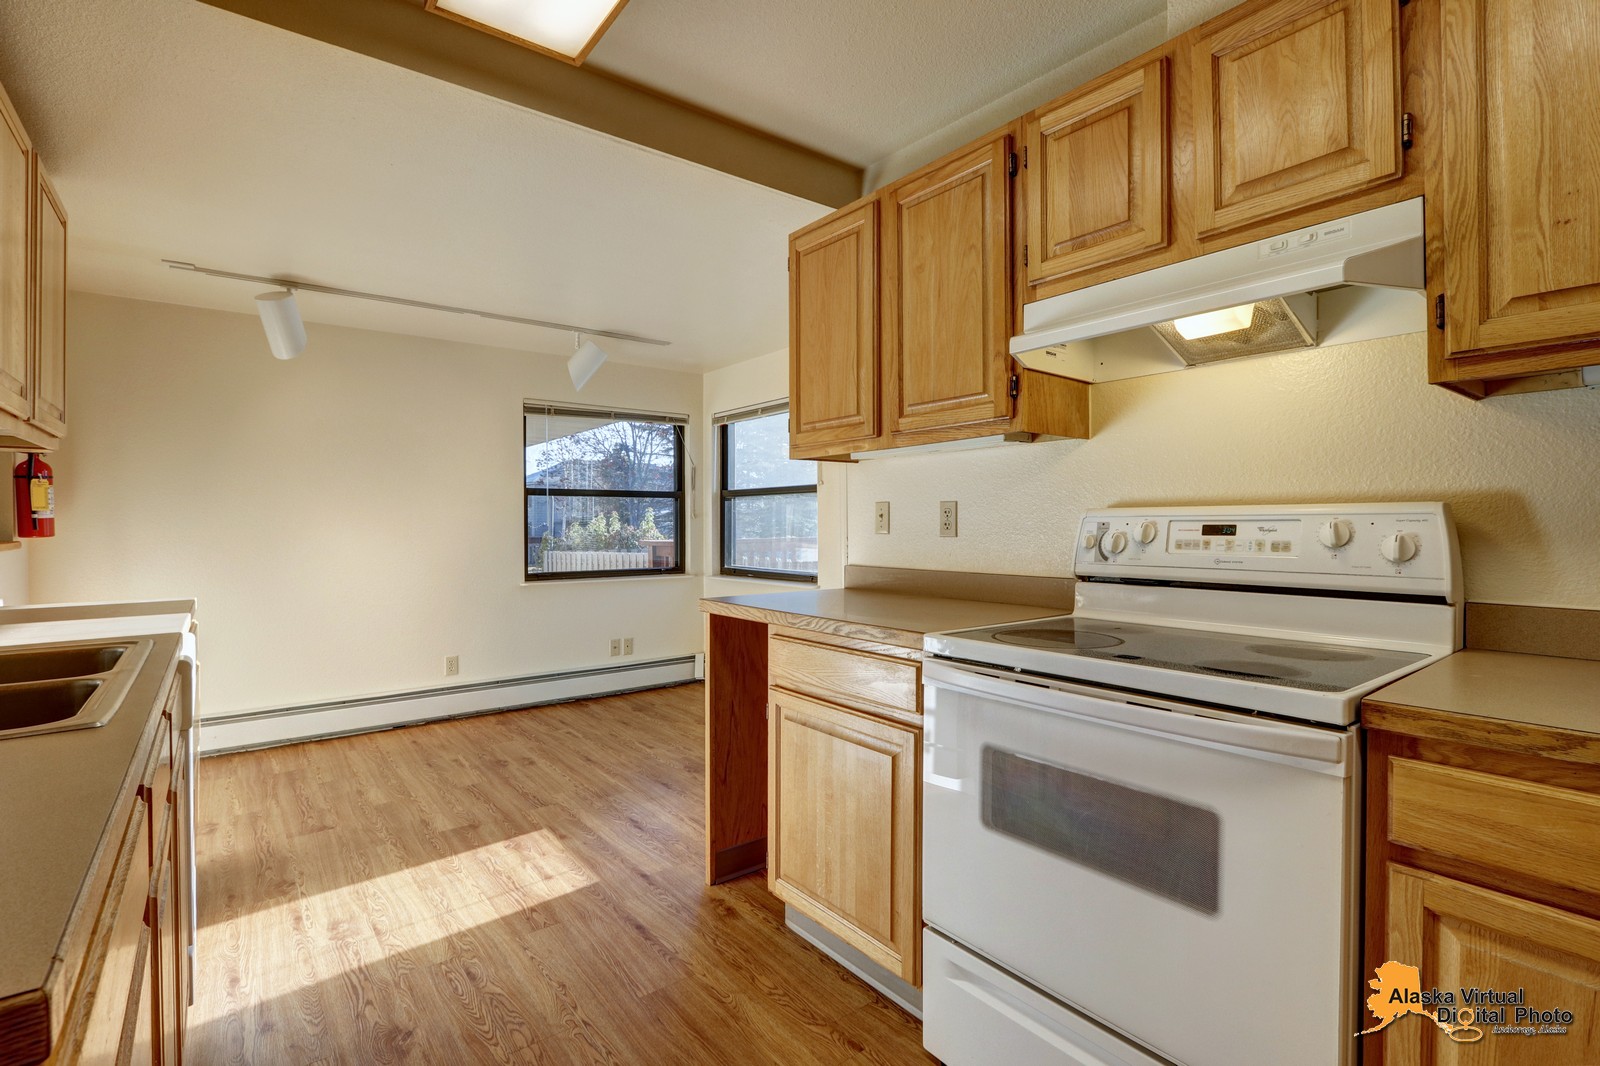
(1367, 271)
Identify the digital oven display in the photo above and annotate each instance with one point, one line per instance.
(1216, 529)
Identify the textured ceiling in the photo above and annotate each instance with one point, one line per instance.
(177, 130)
(855, 80)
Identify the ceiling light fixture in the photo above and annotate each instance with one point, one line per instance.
(586, 359)
(565, 29)
(355, 294)
(280, 317)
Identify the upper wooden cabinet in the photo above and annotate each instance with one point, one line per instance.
(946, 292)
(33, 295)
(16, 210)
(1295, 102)
(1521, 184)
(1096, 177)
(50, 300)
(833, 331)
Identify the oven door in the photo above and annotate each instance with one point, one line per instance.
(1183, 875)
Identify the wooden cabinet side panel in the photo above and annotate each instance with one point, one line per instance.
(844, 826)
(1098, 183)
(736, 746)
(1296, 102)
(833, 330)
(16, 287)
(49, 368)
(1521, 173)
(947, 292)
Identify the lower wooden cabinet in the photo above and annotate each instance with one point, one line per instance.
(843, 836)
(1483, 871)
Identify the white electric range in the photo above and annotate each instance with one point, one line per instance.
(1142, 822)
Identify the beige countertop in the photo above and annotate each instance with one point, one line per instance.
(890, 617)
(58, 791)
(1535, 703)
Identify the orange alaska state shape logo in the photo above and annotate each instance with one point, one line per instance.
(1397, 992)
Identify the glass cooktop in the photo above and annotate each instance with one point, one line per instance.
(1263, 660)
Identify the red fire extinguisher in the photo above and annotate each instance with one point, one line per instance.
(36, 498)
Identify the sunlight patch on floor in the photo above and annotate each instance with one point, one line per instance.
(244, 958)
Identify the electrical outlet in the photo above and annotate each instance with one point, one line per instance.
(616, 646)
(947, 518)
(882, 520)
(452, 665)
(627, 645)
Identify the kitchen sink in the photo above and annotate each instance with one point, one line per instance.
(51, 663)
(57, 687)
(44, 703)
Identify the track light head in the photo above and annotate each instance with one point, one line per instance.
(585, 361)
(280, 317)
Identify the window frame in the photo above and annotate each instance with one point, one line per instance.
(679, 494)
(725, 493)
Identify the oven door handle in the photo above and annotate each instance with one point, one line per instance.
(1323, 750)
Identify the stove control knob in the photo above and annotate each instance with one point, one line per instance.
(1090, 540)
(1399, 547)
(1335, 534)
(1146, 532)
(1114, 542)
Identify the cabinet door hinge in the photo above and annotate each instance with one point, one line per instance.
(1438, 312)
(1405, 131)
(1011, 165)
(1016, 386)
(1024, 157)
(788, 264)
(1024, 255)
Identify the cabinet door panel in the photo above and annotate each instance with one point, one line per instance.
(1296, 104)
(947, 317)
(1521, 172)
(50, 337)
(16, 198)
(833, 330)
(843, 842)
(1097, 182)
(1462, 936)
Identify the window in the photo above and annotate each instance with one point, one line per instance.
(604, 492)
(767, 501)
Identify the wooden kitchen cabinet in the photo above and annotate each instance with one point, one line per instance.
(843, 804)
(33, 291)
(16, 288)
(1483, 871)
(834, 368)
(1520, 188)
(1296, 102)
(947, 293)
(1096, 179)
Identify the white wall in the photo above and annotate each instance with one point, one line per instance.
(1353, 423)
(346, 519)
(14, 575)
(761, 380)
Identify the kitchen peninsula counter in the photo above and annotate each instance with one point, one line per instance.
(736, 682)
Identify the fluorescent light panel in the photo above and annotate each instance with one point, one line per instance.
(566, 29)
(1211, 323)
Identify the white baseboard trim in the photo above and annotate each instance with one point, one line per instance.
(337, 718)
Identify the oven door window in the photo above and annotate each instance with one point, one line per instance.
(1155, 842)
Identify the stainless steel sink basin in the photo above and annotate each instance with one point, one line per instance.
(56, 687)
(48, 664)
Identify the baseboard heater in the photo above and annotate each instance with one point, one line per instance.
(337, 718)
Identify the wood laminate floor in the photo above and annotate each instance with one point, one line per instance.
(514, 888)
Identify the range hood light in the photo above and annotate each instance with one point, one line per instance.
(1227, 320)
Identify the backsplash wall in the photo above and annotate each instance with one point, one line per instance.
(1357, 423)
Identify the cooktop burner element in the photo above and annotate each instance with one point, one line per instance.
(1063, 635)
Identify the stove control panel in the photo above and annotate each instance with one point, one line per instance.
(1400, 548)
